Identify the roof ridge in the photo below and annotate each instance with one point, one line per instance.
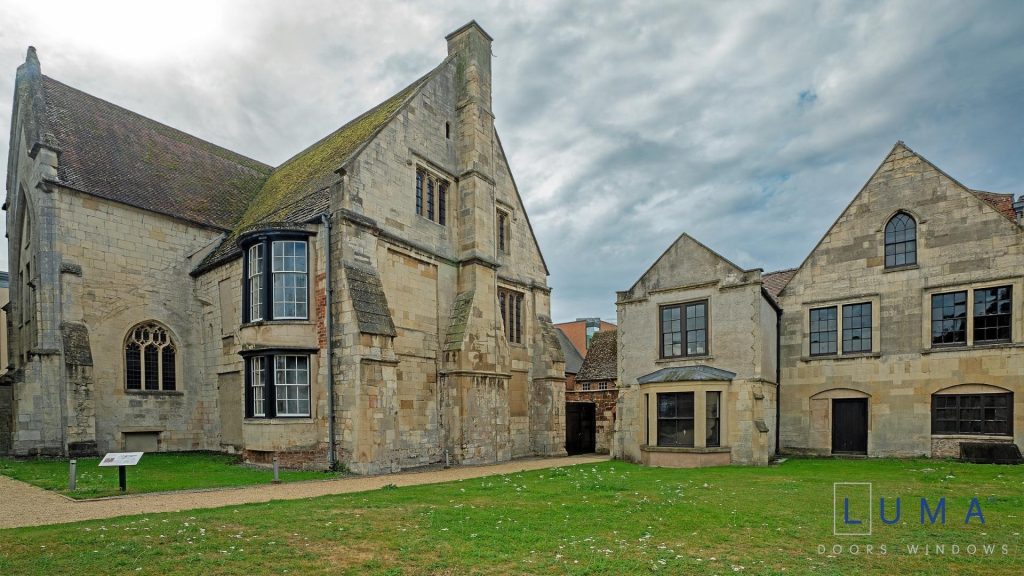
(231, 155)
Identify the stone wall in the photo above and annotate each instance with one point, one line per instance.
(962, 243)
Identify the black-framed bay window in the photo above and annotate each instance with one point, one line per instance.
(276, 274)
(277, 384)
(979, 414)
(684, 330)
(713, 419)
(675, 419)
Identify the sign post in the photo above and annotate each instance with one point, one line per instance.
(121, 459)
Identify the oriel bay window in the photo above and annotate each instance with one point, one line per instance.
(277, 385)
(276, 278)
(675, 419)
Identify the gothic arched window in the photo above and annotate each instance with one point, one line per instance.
(149, 356)
(900, 241)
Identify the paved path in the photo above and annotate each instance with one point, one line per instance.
(22, 504)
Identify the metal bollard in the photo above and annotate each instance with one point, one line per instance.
(277, 479)
(72, 475)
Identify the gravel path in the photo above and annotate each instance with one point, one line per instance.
(22, 504)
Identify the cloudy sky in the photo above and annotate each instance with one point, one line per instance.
(748, 125)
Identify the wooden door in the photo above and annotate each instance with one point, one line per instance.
(850, 426)
(580, 427)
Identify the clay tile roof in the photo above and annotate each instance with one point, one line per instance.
(1001, 202)
(774, 282)
(114, 153)
(602, 361)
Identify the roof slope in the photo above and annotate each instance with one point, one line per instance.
(774, 282)
(1001, 202)
(602, 362)
(114, 153)
(298, 190)
(573, 358)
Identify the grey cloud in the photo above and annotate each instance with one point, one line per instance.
(625, 125)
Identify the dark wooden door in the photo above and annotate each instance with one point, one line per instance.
(850, 426)
(580, 427)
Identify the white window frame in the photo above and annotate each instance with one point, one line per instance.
(257, 372)
(256, 258)
(291, 385)
(293, 267)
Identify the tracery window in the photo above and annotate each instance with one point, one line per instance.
(149, 358)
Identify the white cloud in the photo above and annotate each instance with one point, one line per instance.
(625, 125)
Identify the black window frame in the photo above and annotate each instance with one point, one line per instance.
(1002, 317)
(831, 329)
(857, 333)
(270, 385)
(901, 241)
(266, 276)
(150, 355)
(712, 433)
(952, 414)
(432, 196)
(686, 328)
(676, 416)
(947, 304)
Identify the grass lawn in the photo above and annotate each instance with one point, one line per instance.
(154, 473)
(610, 518)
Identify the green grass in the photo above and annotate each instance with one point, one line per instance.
(154, 473)
(610, 518)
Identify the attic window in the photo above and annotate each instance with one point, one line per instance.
(431, 196)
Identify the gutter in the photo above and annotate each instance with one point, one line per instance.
(329, 320)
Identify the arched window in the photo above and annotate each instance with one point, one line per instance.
(900, 241)
(149, 356)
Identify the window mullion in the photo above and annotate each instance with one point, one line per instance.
(266, 279)
(269, 387)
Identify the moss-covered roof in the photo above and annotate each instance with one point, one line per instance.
(298, 189)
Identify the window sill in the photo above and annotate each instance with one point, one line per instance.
(305, 321)
(980, 437)
(706, 357)
(901, 268)
(686, 449)
(155, 392)
(278, 420)
(968, 348)
(856, 356)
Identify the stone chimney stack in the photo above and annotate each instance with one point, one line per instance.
(470, 48)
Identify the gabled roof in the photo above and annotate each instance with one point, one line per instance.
(602, 362)
(699, 372)
(299, 189)
(682, 238)
(573, 359)
(114, 153)
(1002, 203)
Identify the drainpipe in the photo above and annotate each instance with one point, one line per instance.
(778, 378)
(329, 320)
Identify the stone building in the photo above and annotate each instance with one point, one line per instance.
(696, 362)
(903, 330)
(590, 400)
(379, 300)
(901, 334)
(573, 359)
